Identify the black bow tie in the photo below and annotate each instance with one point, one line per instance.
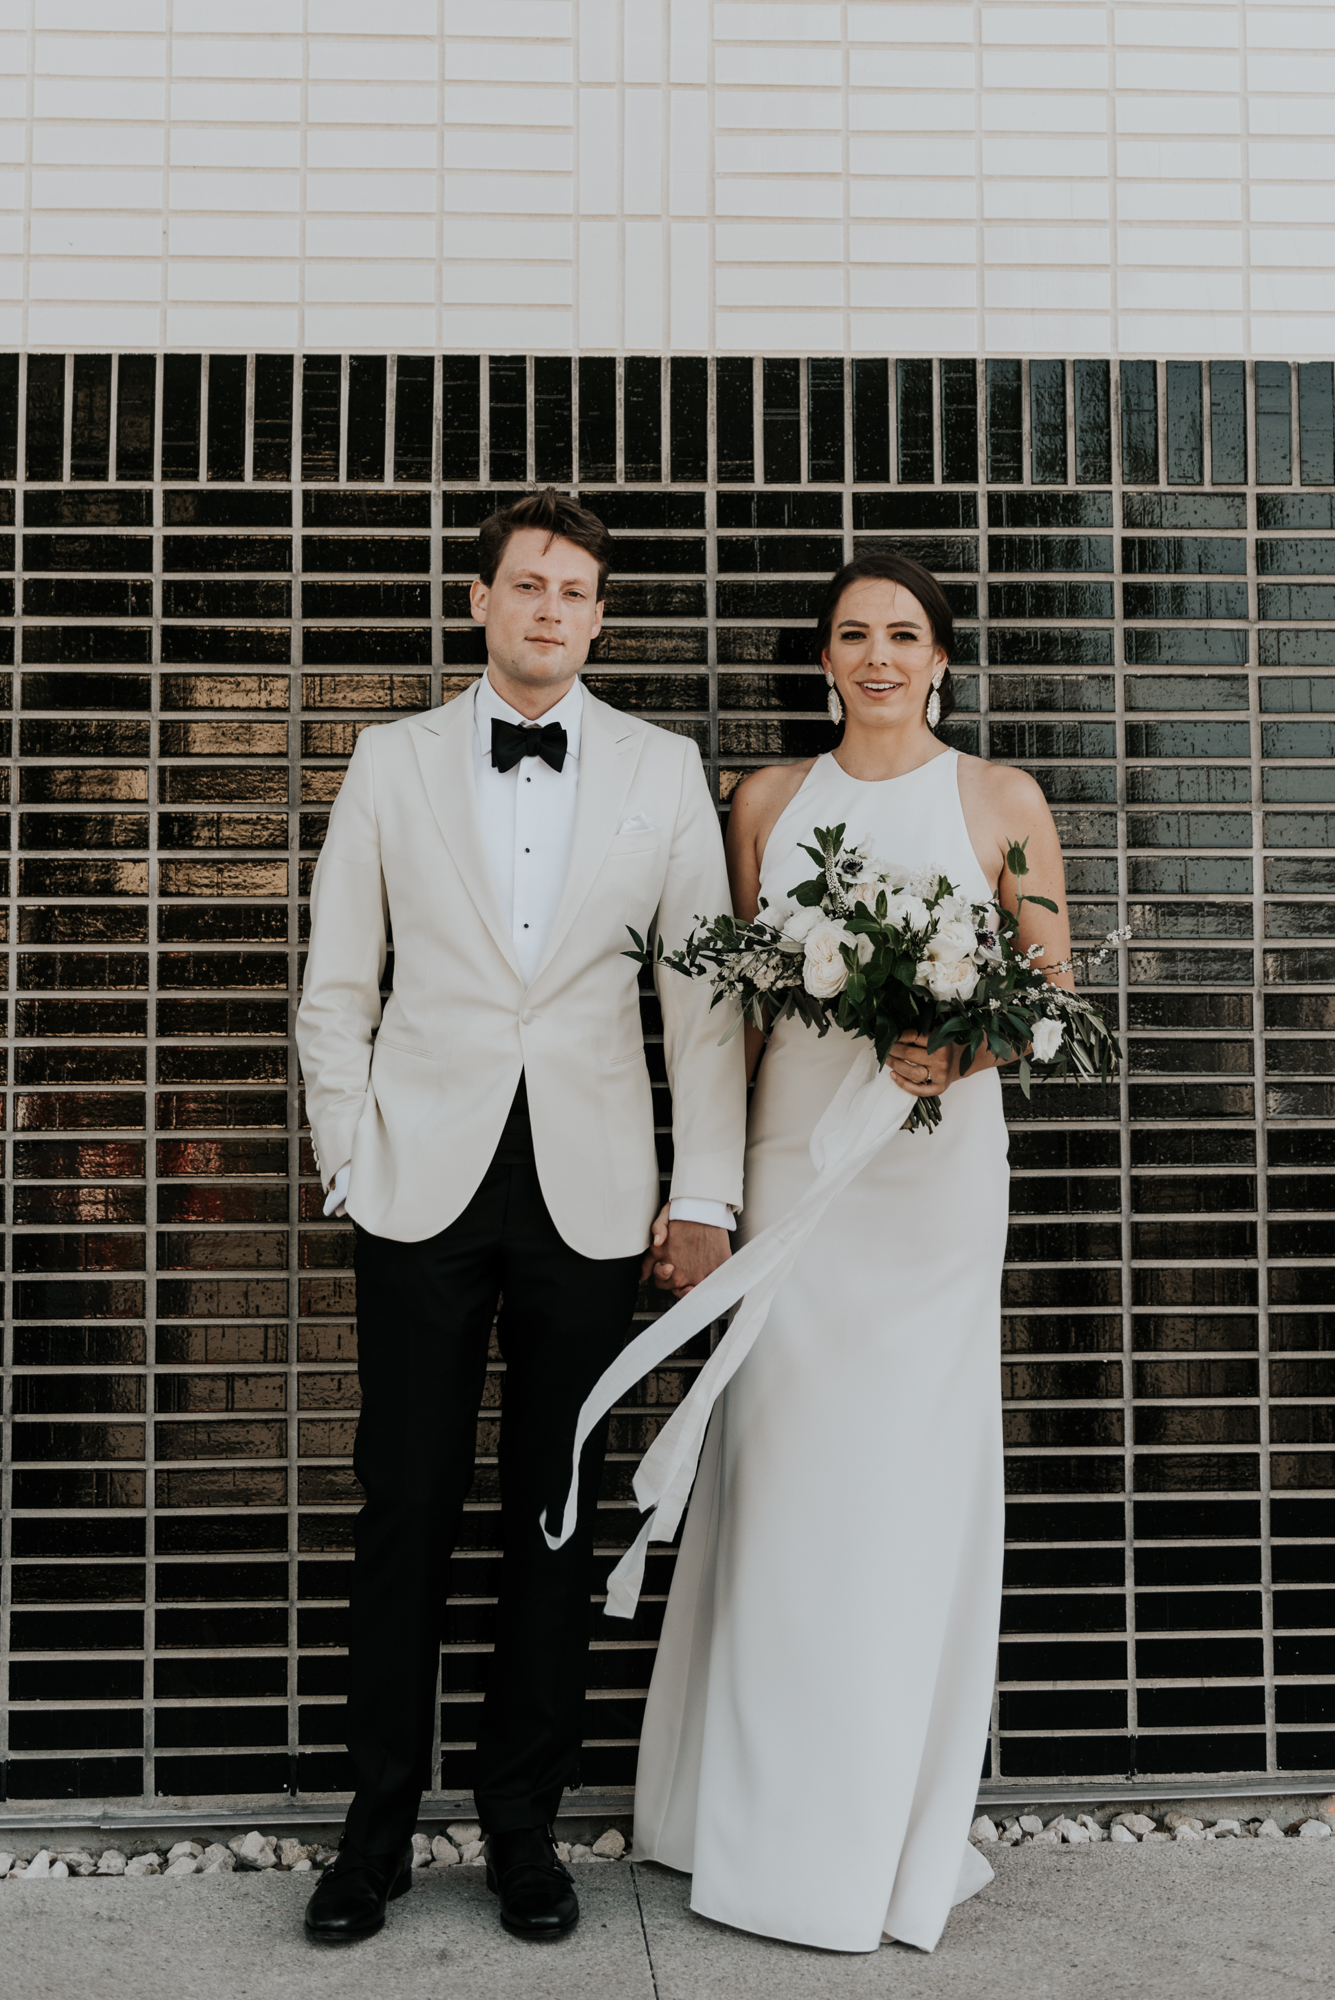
(510, 741)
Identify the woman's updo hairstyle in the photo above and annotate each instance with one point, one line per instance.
(894, 568)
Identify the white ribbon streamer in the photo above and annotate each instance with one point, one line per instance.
(865, 1111)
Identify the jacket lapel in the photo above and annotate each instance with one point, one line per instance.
(609, 752)
(443, 740)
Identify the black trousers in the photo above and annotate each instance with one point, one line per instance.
(424, 1314)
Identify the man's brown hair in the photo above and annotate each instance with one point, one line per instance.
(559, 516)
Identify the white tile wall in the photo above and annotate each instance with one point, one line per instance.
(839, 175)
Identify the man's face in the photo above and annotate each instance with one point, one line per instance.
(542, 613)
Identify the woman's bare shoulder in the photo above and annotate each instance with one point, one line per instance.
(1002, 787)
(763, 794)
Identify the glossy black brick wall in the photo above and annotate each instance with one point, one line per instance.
(220, 569)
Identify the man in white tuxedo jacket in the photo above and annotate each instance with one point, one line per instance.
(490, 1132)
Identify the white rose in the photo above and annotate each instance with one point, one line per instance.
(907, 913)
(947, 979)
(802, 923)
(924, 881)
(1047, 1039)
(952, 940)
(824, 973)
(866, 891)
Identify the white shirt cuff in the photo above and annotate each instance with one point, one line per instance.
(338, 1190)
(716, 1214)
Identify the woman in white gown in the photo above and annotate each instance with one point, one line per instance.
(829, 1646)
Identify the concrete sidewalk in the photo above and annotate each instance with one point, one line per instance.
(1236, 1920)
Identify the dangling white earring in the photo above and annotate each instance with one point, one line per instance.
(832, 701)
(934, 700)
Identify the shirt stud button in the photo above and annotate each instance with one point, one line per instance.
(526, 1016)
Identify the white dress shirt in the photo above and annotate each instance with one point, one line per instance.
(528, 819)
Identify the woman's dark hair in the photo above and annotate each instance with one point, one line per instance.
(558, 515)
(895, 568)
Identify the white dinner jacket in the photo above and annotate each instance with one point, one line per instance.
(417, 1097)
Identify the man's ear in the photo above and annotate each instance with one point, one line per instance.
(478, 594)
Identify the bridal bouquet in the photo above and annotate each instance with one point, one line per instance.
(880, 950)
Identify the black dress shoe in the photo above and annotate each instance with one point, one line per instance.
(536, 1891)
(352, 1894)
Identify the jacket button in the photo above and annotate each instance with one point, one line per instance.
(526, 1016)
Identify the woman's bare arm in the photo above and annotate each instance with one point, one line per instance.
(756, 805)
(1001, 805)
(1019, 812)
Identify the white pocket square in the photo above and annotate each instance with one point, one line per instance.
(637, 823)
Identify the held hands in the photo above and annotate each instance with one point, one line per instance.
(923, 1075)
(682, 1254)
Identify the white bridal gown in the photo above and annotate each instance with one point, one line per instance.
(818, 1716)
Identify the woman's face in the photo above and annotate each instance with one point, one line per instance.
(882, 653)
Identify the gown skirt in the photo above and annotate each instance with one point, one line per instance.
(818, 1718)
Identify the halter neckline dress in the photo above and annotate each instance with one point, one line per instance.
(817, 1722)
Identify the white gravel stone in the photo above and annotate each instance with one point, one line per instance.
(112, 1862)
(1069, 1831)
(39, 1866)
(421, 1851)
(1121, 1834)
(563, 1850)
(1314, 1829)
(6, 1863)
(1268, 1830)
(217, 1860)
(610, 1846)
(444, 1852)
(580, 1852)
(304, 1866)
(1048, 1837)
(1174, 1820)
(1137, 1823)
(983, 1829)
(324, 1855)
(184, 1864)
(1224, 1829)
(1030, 1823)
(464, 1832)
(190, 1847)
(1091, 1826)
(1187, 1833)
(290, 1852)
(1146, 1838)
(257, 1850)
(59, 1871)
(144, 1864)
(474, 1853)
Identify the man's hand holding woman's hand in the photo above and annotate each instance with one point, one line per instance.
(682, 1254)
